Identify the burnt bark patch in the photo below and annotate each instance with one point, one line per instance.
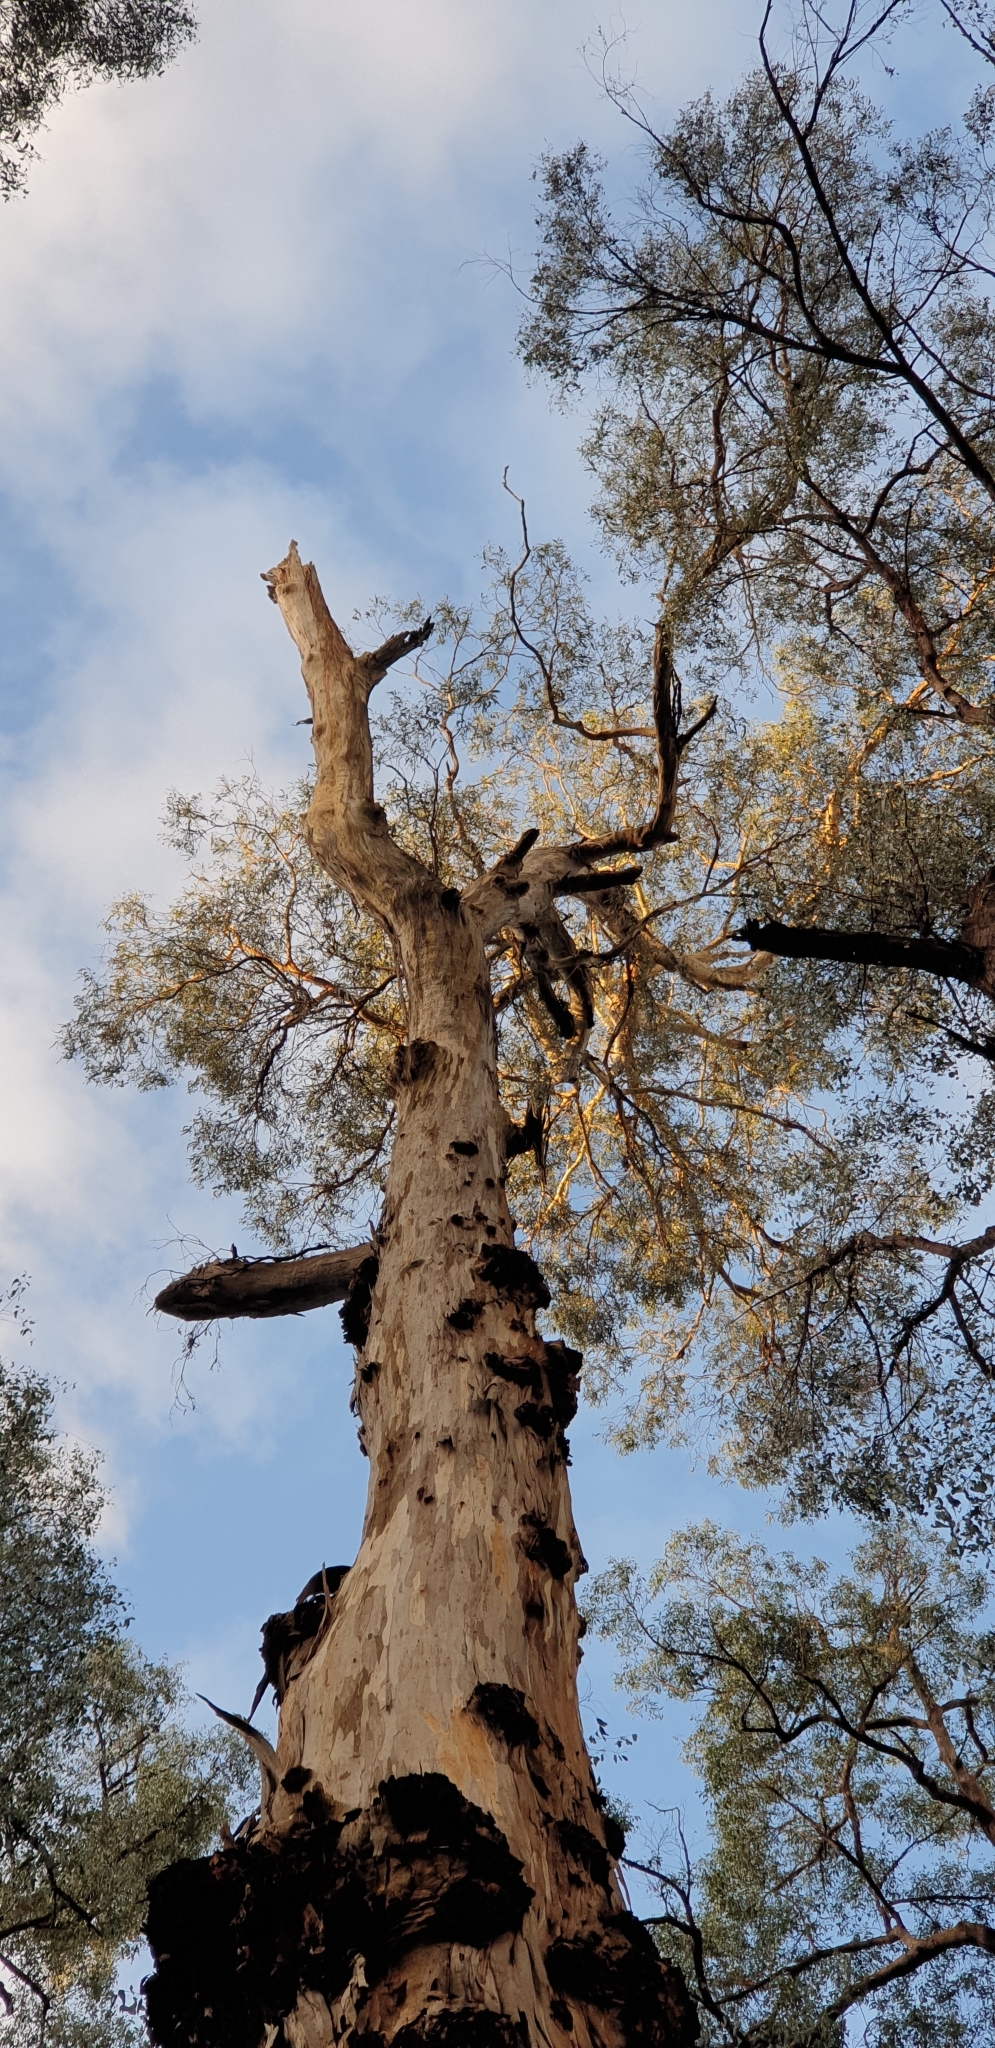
(544, 1546)
(288, 1640)
(614, 1835)
(503, 1708)
(512, 1273)
(523, 1372)
(486, 1893)
(528, 1136)
(563, 1379)
(473, 2027)
(423, 1802)
(237, 1936)
(465, 1314)
(585, 1849)
(358, 1305)
(620, 1968)
(412, 1063)
(541, 1421)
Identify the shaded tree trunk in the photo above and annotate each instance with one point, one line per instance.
(431, 1862)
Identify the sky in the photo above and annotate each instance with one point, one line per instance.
(262, 296)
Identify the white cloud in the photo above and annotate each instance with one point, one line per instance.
(299, 187)
(237, 304)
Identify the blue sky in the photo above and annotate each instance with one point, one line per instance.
(245, 301)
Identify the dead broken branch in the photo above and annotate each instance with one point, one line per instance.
(262, 1287)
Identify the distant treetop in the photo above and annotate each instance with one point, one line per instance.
(48, 45)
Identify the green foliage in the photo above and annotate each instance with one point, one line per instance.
(264, 983)
(793, 336)
(845, 1736)
(746, 1162)
(101, 1785)
(759, 1198)
(47, 46)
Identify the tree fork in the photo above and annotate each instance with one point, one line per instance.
(431, 1865)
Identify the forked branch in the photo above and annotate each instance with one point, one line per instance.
(671, 745)
(347, 829)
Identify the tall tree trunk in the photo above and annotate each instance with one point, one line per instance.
(431, 1863)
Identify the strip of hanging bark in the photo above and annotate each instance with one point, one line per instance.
(262, 1287)
(949, 958)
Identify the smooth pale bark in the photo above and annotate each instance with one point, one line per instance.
(432, 1802)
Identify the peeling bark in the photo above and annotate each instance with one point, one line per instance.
(431, 1863)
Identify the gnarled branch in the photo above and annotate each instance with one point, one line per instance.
(346, 827)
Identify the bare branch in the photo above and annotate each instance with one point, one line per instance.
(671, 743)
(986, 49)
(896, 358)
(394, 650)
(346, 828)
(598, 880)
(949, 958)
(966, 1934)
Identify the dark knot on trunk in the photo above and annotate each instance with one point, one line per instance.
(412, 1063)
(512, 1273)
(358, 1305)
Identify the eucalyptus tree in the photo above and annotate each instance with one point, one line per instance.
(660, 1117)
(432, 1860)
(522, 937)
(845, 1737)
(101, 1785)
(49, 46)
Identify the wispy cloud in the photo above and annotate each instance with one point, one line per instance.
(237, 303)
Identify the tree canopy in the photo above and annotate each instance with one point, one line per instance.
(748, 1074)
(753, 1186)
(845, 1740)
(48, 46)
(101, 1784)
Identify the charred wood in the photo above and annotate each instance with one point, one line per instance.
(236, 1937)
(357, 1307)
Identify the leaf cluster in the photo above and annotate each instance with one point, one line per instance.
(101, 1785)
(47, 46)
(845, 1736)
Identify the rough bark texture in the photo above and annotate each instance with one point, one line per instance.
(431, 1863)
